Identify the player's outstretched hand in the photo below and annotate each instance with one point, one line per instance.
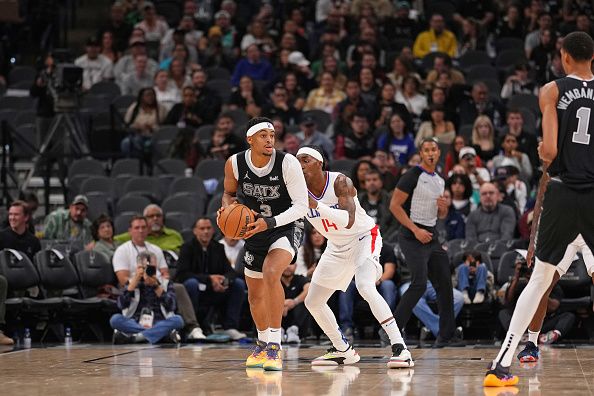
(257, 226)
(423, 235)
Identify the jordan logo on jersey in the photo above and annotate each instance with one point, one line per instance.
(261, 192)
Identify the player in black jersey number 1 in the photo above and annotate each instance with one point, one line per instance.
(271, 184)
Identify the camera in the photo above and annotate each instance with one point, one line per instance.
(65, 86)
(150, 270)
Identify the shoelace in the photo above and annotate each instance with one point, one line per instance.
(258, 349)
(272, 352)
(331, 350)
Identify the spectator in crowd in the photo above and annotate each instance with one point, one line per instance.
(443, 64)
(452, 226)
(120, 29)
(326, 97)
(185, 34)
(514, 191)
(132, 83)
(477, 174)
(510, 152)
(436, 39)
(330, 64)
(472, 37)
(126, 65)
(143, 118)
(358, 142)
(295, 93)
(148, 306)
(472, 278)
(460, 187)
(353, 103)
(386, 165)
(185, 114)
(291, 143)
(208, 277)
(491, 221)
(298, 64)
(542, 54)
(180, 52)
(369, 87)
(309, 135)
(477, 104)
(17, 235)
(96, 67)
(4, 340)
(376, 202)
(397, 141)
(519, 83)
(177, 73)
(228, 33)
(208, 102)
(411, 97)
(163, 237)
(359, 173)
(125, 265)
(247, 98)
(401, 25)
(526, 141)
(556, 324)
(70, 224)
(295, 316)
(483, 13)
(403, 67)
(253, 66)
(107, 47)
(154, 27)
(453, 154)
(310, 251)
(258, 35)
(511, 24)
(386, 106)
(438, 127)
(385, 286)
(532, 39)
(167, 93)
(224, 142)
(279, 106)
(483, 138)
(45, 102)
(233, 247)
(102, 231)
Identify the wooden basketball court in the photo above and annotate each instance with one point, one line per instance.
(219, 370)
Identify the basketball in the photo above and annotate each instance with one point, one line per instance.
(234, 220)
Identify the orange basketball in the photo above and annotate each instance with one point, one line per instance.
(234, 220)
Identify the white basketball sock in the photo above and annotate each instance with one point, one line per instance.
(274, 335)
(316, 303)
(393, 332)
(533, 336)
(263, 335)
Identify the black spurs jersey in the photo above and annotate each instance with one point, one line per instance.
(574, 163)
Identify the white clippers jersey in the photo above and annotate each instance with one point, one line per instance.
(335, 234)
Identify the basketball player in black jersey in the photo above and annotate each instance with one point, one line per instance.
(567, 106)
(272, 185)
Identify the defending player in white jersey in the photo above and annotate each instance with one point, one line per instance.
(354, 245)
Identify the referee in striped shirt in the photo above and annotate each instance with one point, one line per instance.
(416, 203)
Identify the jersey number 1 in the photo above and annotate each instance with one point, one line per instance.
(327, 225)
(581, 136)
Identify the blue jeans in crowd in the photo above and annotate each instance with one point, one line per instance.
(160, 329)
(422, 310)
(232, 299)
(346, 301)
(478, 282)
(136, 145)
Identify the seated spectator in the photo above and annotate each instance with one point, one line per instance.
(159, 235)
(229, 143)
(208, 277)
(309, 135)
(541, 55)
(483, 138)
(442, 63)
(387, 106)
(376, 202)
(532, 40)
(439, 96)
(167, 93)
(460, 187)
(513, 190)
(385, 286)
(154, 26)
(4, 340)
(107, 47)
(410, 96)
(232, 249)
(148, 306)
(118, 27)
(247, 98)
(386, 165)
(180, 52)
(556, 324)
(102, 231)
(527, 142)
(258, 35)
(295, 93)
(359, 173)
(452, 226)
(326, 97)
(295, 316)
(511, 154)
(397, 141)
(491, 221)
(185, 34)
(479, 103)
(330, 64)
(473, 36)
(402, 24)
(403, 67)
(253, 66)
(125, 264)
(357, 142)
(208, 102)
(96, 67)
(18, 236)
(436, 39)
(453, 155)
(126, 65)
(143, 118)
(291, 143)
(69, 224)
(353, 103)
(519, 83)
(369, 86)
(279, 106)
(438, 127)
(178, 74)
(477, 174)
(511, 24)
(132, 83)
(185, 114)
(310, 251)
(472, 278)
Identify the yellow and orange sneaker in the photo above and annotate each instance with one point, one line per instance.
(258, 356)
(274, 357)
(500, 376)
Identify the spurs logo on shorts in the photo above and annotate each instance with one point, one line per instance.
(248, 258)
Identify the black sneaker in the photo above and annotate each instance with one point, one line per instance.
(120, 338)
(454, 342)
(175, 337)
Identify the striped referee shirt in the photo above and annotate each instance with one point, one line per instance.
(423, 189)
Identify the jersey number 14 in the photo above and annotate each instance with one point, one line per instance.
(327, 225)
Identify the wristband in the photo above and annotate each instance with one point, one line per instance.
(270, 222)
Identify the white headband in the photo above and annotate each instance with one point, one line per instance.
(258, 127)
(312, 152)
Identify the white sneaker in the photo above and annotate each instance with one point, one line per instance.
(479, 298)
(401, 357)
(466, 297)
(196, 334)
(334, 357)
(235, 334)
(292, 335)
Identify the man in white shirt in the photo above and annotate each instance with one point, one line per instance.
(96, 67)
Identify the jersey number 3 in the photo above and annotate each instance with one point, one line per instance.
(581, 136)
